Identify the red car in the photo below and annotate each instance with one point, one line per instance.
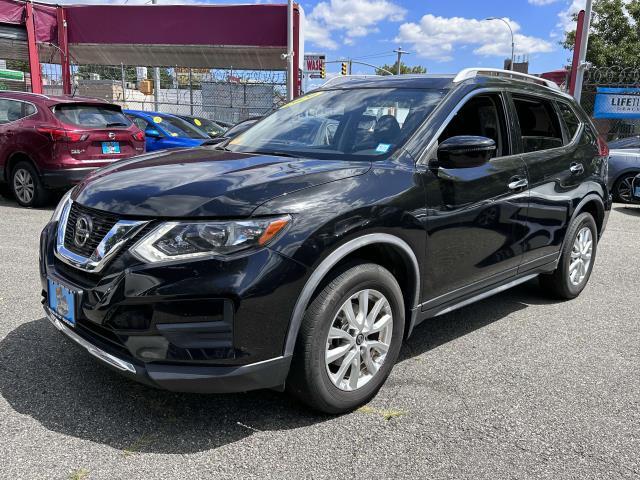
(51, 143)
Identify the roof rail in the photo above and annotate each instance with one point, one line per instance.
(468, 73)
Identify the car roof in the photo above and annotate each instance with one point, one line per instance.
(468, 76)
(147, 113)
(50, 99)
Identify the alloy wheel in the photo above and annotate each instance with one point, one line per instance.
(581, 256)
(24, 185)
(359, 339)
(624, 188)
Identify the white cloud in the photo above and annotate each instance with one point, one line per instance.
(437, 37)
(350, 18)
(542, 2)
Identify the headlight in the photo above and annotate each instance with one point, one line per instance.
(60, 208)
(187, 240)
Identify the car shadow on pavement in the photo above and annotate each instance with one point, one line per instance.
(632, 210)
(47, 377)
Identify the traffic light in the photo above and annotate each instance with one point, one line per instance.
(344, 68)
(323, 72)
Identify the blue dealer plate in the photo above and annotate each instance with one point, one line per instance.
(110, 147)
(63, 302)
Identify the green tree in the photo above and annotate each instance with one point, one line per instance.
(614, 38)
(404, 69)
(20, 65)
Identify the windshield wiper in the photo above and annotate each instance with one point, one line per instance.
(274, 153)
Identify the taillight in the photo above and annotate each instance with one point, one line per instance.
(61, 135)
(603, 148)
(139, 136)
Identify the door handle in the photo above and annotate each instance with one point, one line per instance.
(518, 183)
(576, 168)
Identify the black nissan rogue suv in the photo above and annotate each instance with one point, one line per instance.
(301, 253)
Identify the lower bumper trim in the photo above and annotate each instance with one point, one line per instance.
(92, 349)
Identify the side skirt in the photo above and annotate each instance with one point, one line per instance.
(480, 294)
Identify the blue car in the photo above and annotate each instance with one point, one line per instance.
(166, 131)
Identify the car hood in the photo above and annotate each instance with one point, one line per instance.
(203, 182)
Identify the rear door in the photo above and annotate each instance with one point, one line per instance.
(12, 113)
(476, 215)
(557, 157)
(96, 132)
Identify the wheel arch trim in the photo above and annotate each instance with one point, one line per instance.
(331, 261)
(592, 197)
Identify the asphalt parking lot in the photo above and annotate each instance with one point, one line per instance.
(516, 386)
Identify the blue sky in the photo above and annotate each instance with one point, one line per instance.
(443, 36)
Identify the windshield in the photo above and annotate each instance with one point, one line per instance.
(208, 126)
(176, 127)
(91, 116)
(353, 124)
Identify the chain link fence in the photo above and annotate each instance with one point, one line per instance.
(217, 94)
(610, 129)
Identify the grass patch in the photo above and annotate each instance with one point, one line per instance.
(136, 446)
(79, 474)
(386, 414)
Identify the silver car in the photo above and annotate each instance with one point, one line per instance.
(624, 165)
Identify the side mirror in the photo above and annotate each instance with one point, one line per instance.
(465, 151)
(153, 133)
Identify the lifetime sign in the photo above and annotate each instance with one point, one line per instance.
(617, 103)
(314, 65)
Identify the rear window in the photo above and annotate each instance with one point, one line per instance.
(91, 116)
(539, 124)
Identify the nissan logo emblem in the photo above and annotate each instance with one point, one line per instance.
(112, 136)
(84, 226)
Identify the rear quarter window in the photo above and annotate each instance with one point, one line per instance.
(13, 110)
(91, 116)
(570, 119)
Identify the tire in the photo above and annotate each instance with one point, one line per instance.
(564, 283)
(622, 188)
(26, 186)
(309, 379)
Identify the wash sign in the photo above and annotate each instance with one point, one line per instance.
(617, 103)
(313, 65)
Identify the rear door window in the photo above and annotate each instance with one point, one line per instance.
(570, 120)
(13, 110)
(539, 124)
(91, 116)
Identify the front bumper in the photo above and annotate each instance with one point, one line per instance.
(270, 373)
(209, 326)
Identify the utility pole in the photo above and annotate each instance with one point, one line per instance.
(156, 81)
(584, 43)
(291, 68)
(400, 52)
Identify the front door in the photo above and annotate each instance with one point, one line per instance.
(475, 215)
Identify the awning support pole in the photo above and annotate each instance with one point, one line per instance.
(63, 44)
(34, 60)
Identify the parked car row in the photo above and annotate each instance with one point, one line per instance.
(50, 143)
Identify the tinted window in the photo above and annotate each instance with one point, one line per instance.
(91, 116)
(570, 120)
(176, 127)
(539, 124)
(12, 110)
(481, 116)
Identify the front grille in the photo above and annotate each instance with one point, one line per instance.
(102, 223)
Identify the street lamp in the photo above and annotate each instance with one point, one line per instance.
(512, 39)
